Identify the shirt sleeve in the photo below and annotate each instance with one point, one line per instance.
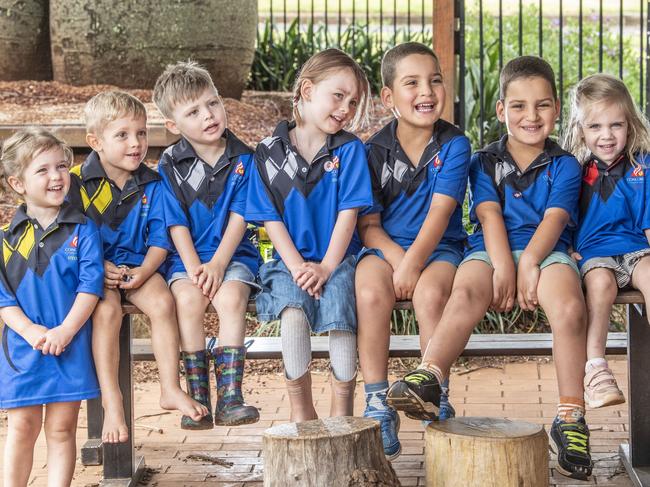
(172, 208)
(91, 260)
(242, 172)
(481, 185)
(74, 193)
(156, 224)
(355, 190)
(452, 178)
(374, 168)
(566, 181)
(7, 297)
(259, 207)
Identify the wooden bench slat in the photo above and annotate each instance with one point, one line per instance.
(409, 346)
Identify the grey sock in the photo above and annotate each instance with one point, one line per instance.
(343, 354)
(296, 344)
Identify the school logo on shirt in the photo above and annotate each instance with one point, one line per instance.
(145, 200)
(638, 171)
(436, 161)
(239, 170)
(144, 208)
(333, 164)
(71, 250)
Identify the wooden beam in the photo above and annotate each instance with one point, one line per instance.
(444, 28)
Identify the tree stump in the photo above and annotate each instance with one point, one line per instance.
(342, 452)
(486, 452)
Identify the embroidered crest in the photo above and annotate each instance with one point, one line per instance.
(240, 168)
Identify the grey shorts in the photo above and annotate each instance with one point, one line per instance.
(236, 271)
(622, 265)
(552, 258)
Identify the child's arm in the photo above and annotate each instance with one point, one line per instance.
(15, 318)
(373, 235)
(498, 248)
(153, 259)
(210, 275)
(57, 338)
(185, 247)
(284, 246)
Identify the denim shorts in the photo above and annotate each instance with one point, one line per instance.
(552, 258)
(236, 271)
(622, 265)
(453, 256)
(335, 310)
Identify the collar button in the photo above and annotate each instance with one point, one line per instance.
(304, 169)
(41, 244)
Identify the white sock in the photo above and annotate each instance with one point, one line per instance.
(595, 362)
(296, 344)
(343, 354)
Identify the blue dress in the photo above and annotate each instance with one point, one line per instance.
(41, 271)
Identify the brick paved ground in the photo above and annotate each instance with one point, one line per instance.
(525, 391)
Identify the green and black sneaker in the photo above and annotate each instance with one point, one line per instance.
(417, 394)
(572, 443)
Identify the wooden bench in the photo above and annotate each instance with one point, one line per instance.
(123, 468)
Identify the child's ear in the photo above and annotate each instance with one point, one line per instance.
(501, 111)
(171, 126)
(16, 184)
(557, 109)
(306, 89)
(386, 95)
(93, 141)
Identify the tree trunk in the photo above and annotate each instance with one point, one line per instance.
(24, 40)
(129, 43)
(486, 452)
(342, 452)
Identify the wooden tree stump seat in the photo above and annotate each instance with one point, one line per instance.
(342, 452)
(486, 452)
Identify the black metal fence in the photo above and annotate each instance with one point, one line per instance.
(578, 38)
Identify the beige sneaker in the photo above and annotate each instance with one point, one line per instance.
(601, 389)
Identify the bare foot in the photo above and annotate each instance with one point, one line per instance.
(114, 429)
(177, 399)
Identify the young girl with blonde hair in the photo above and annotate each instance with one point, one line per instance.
(611, 138)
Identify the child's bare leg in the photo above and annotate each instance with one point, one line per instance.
(155, 300)
(601, 292)
(560, 296)
(24, 425)
(107, 321)
(190, 310)
(375, 300)
(230, 302)
(470, 298)
(60, 435)
(641, 279)
(430, 297)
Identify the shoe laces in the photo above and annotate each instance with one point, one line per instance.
(577, 440)
(418, 376)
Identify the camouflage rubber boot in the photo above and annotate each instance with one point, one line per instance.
(197, 378)
(231, 410)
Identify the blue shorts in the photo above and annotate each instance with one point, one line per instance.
(552, 258)
(236, 271)
(335, 310)
(453, 256)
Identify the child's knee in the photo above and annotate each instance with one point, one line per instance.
(375, 296)
(60, 432)
(602, 282)
(232, 299)
(162, 305)
(468, 295)
(107, 315)
(25, 427)
(190, 298)
(431, 299)
(572, 318)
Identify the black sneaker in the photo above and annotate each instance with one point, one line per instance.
(418, 395)
(572, 443)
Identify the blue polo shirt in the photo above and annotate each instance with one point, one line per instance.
(614, 208)
(201, 197)
(41, 271)
(130, 220)
(402, 192)
(306, 197)
(551, 181)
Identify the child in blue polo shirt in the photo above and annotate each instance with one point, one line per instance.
(611, 138)
(124, 198)
(524, 206)
(50, 281)
(307, 184)
(414, 231)
(205, 178)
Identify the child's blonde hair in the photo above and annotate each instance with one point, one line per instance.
(319, 67)
(604, 88)
(179, 83)
(108, 106)
(22, 148)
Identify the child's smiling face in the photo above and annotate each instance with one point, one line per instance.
(604, 129)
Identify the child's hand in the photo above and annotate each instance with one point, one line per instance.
(113, 275)
(527, 279)
(504, 286)
(35, 335)
(56, 339)
(137, 276)
(576, 256)
(405, 278)
(208, 278)
(314, 278)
